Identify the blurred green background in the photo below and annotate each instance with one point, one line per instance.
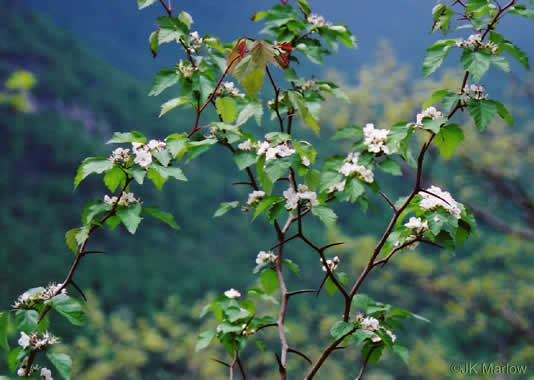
(93, 71)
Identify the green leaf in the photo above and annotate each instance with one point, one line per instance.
(476, 62)
(172, 104)
(435, 55)
(348, 131)
(113, 178)
(341, 328)
(70, 240)
(227, 108)
(265, 182)
(500, 62)
(91, 165)
(265, 204)
(163, 80)
(390, 166)
(71, 308)
(4, 321)
(186, 19)
(130, 217)
(312, 179)
(62, 362)
(251, 109)
(448, 138)
(297, 100)
(269, 281)
(450, 100)
(433, 125)
(442, 18)
(162, 215)
(153, 42)
(375, 355)
(14, 357)
(326, 215)
(436, 96)
(202, 84)
(330, 287)
(224, 207)
(244, 159)
(204, 339)
(145, 3)
(91, 210)
(127, 137)
(517, 53)
(523, 12)
(275, 169)
(292, 266)
(402, 351)
(159, 174)
(482, 112)
(504, 113)
(252, 82)
(26, 320)
(354, 189)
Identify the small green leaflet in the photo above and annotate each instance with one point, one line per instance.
(244, 159)
(402, 351)
(130, 217)
(71, 308)
(348, 131)
(127, 137)
(70, 240)
(265, 204)
(448, 138)
(145, 3)
(26, 320)
(153, 42)
(204, 339)
(227, 108)
(437, 95)
(91, 165)
(504, 113)
(163, 80)
(251, 109)
(113, 178)
(341, 328)
(269, 281)
(433, 124)
(297, 100)
(172, 104)
(62, 362)
(326, 215)
(510, 48)
(162, 215)
(476, 62)
(390, 166)
(435, 55)
(4, 321)
(482, 112)
(224, 207)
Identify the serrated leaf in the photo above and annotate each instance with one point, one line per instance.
(435, 55)
(476, 62)
(348, 131)
(433, 125)
(70, 240)
(113, 178)
(130, 217)
(144, 3)
(4, 322)
(504, 113)
(127, 137)
(163, 80)
(26, 320)
(204, 339)
(500, 62)
(251, 109)
(390, 166)
(269, 281)
(297, 100)
(244, 159)
(91, 165)
(227, 108)
(448, 138)
(436, 96)
(165, 217)
(326, 215)
(340, 328)
(70, 308)
(62, 362)
(172, 104)
(482, 112)
(224, 207)
(264, 204)
(354, 189)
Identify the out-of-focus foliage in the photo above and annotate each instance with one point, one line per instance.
(16, 90)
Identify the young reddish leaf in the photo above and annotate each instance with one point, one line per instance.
(286, 46)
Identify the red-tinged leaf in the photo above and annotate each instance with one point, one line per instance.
(281, 61)
(242, 48)
(285, 46)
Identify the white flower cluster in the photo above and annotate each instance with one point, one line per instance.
(308, 84)
(195, 42)
(228, 88)
(475, 42)
(317, 20)
(417, 225)
(372, 325)
(46, 374)
(143, 152)
(351, 166)
(22, 372)
(332, 264)
(375, 139)
(303, 193)
(34, 341)
(27, 299)
(126, 199)
(186, 68)
(408, 240)
(340, 186)
(120, 154)
(475, 92)
(247, 145)
(232, 293)
(435, 197)
(273, 152)
(255, 197)
(430, 112)
(266, 257)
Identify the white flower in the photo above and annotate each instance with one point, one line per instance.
(21, 372)
(340, 186)
(351, 166)
(391, 335)
(186, 69)
(46, 374)
(475, 92)
(110, 200)
(127, 199)
(305, 161)
(228, 88)
(375, 338)
(316, 20)
(281, 150)
(195, 42)
(143, 158)
(265, 257)
(332, 264)
(417, 225)
(262, 147)
(120, 154)
(292, 198)
(435, 197)
(156, 145)
(430, 112)
(24, 340)
(303, 193)
(246, 145)
(375, 139)
(255, 196)
(474, 41)
(232, 293)
(370, 324)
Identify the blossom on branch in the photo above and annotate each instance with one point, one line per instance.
(351, 167)
(434, 197)
(266, 257)
(430, 112)
(255, 197)
(332, 264)
(303, 193)
(232, 293)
